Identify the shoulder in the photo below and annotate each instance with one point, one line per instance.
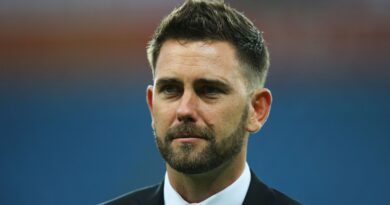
(258, 192)
(147, 195)
(282, 199)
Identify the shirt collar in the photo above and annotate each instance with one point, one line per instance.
(234, 194)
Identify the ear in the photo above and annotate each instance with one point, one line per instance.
(259, 109)
(149, 100)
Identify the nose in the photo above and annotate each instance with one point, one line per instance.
(187, 109)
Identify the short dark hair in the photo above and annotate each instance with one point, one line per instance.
(213, 20)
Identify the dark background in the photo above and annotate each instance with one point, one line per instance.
(75, 129)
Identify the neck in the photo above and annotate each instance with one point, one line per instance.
(195, 188)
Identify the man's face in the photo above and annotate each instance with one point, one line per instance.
(199, 105)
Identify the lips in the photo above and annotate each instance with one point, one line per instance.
(184, 135)
(188, 139)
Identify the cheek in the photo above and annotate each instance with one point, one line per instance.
(163, 116)
(225, 119)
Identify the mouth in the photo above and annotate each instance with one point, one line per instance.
(188, 140)
(185, 137)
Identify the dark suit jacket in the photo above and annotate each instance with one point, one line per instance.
(258, 194)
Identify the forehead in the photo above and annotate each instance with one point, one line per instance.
(198, 59)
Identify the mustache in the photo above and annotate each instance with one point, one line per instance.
(189, 130)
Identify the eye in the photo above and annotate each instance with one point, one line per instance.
(210, 91)
(170, 90)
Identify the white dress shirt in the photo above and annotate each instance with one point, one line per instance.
(234, 194)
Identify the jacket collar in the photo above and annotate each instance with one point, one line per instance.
(157, 197)
(258, 192)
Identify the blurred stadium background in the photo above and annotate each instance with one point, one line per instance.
(74, 126)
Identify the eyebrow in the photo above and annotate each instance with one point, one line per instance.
(164, 81)
(203, 81)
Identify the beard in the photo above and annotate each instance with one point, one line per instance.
(185, 157)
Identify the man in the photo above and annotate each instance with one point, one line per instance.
(209, 65)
